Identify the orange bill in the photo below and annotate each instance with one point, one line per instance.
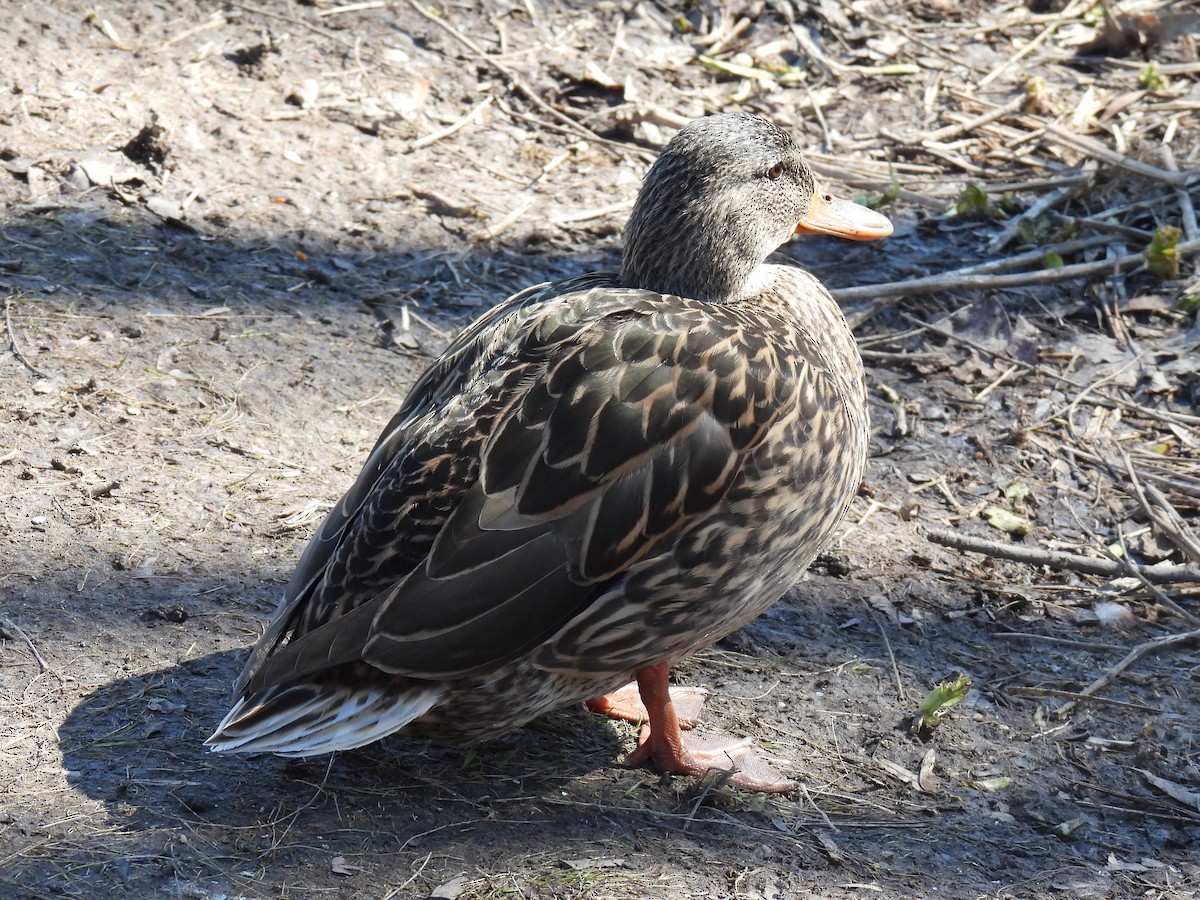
(843, 218)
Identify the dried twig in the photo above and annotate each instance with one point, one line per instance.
(351, 7)
(882, 295)
(1097, 150)
(295, 20)
(996, 382)
(453, 127)
(1054, 639)
(217, 20)
(1187, 211)
(1036, 692)
(942, 135)
(1183, 484)
(820, 812)
(12, 340)
(828, 65)
(585, 215)
(1160, 511)
(509, 219)
(1101, 683)
(7, 624)
(1047, 201)
(1057, 559)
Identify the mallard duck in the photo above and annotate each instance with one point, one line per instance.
(598, 477)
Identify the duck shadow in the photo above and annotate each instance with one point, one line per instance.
(136, 745)
(176, 814)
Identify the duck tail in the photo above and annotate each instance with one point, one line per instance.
(310, 719)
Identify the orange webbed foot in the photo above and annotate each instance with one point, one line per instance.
(700, 754)
(664, 746)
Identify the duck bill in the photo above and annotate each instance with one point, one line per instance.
(831, 215)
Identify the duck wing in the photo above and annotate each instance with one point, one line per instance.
(301, 607)
(553, 447)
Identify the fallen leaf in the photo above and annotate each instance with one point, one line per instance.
(1007, 520)
(1146, 303)
(1184, 795)
(450, 889)
(1066, 829)
(1115, 865)
(991, 785)
(339, 866)
(926, 780)
(1121, 103)
(898, 772)
(596, 75)
(832, 850)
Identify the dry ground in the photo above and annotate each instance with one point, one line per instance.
(232, 234)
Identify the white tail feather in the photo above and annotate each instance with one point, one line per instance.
(326, 720)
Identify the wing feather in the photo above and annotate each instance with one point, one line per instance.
(613, 420)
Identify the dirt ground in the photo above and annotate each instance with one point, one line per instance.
(232, 234)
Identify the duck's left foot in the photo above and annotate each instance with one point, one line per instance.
(626, 704)
(664, 746)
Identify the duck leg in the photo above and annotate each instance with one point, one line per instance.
(663, 745)
(625, 703)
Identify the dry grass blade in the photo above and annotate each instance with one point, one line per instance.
(1163, 514)
(1104, 681)
(13, 346)
(454, 127)
(14, 630)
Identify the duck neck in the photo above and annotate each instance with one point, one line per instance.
(700, 266)
(683, 240)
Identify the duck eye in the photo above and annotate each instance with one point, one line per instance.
(775, 172)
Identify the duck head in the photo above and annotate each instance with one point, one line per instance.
(724, 194)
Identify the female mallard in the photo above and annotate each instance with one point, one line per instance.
(599, 477)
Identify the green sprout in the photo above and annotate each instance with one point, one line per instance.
(1152, 79)
(938, 702)
(1162, 259)
(889, 194)
(972, 202)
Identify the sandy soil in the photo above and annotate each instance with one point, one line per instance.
(233, 234)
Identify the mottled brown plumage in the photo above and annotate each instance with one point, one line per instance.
(599, 477)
